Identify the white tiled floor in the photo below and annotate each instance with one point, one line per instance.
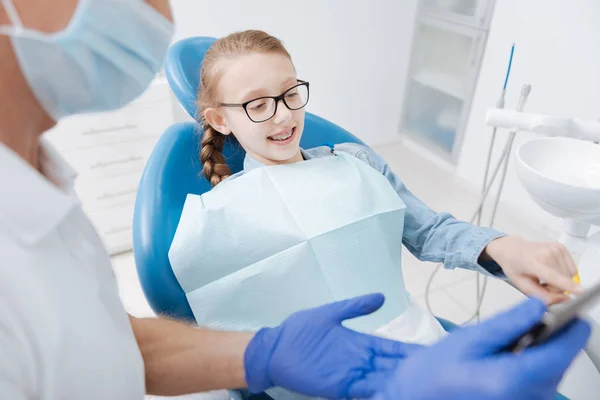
(452, 292)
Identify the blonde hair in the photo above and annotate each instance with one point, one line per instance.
(214, 166)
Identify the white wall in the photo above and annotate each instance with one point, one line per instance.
(354, 52)
(557, 52)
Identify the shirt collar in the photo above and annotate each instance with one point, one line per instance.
(32, 204)
(250, 163)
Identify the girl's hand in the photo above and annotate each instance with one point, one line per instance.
(527, 263)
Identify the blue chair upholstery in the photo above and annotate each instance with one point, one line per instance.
(447, 325)
(182, 69)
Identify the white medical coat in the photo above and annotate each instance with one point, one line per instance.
(64, 333)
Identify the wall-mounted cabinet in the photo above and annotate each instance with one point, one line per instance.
(473, 13)
(445, 60)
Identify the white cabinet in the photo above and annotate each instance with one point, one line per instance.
(109, 152)
(474, 13)
(446, 55)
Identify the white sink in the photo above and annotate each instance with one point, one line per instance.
(562, 175)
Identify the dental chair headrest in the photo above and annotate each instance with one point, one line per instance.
(182, 68)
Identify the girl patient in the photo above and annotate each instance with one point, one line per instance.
(249, 90)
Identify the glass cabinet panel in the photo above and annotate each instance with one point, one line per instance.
(474, 13)
(440, 82)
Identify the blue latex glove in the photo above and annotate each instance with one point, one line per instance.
(313, 354)
(468, 365)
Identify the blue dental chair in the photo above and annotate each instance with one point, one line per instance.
(174, 170)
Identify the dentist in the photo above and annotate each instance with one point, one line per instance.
(63, 332)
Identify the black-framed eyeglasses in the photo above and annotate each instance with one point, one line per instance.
(264, 108)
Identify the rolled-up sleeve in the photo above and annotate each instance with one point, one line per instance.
(438, 236)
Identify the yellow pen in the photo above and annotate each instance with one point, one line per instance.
(577, 279)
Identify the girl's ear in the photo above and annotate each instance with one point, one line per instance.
(215, 119)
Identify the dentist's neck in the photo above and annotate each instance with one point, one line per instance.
(22, 119)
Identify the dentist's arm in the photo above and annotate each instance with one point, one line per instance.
(310, 353)
(180, 359)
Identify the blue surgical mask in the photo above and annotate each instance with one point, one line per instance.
(105, 58)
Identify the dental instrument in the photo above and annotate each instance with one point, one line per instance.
(486, 187)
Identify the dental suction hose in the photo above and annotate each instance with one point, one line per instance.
(525, 91)
(500, 103)
(502, 164)
(524, 96)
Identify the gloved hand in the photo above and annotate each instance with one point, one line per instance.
(313, 354)
(468, 364)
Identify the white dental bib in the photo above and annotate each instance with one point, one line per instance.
(283, 238)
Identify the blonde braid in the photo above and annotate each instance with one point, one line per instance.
(214, 167)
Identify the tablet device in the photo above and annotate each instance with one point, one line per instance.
(556, 318)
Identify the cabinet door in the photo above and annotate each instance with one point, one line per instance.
(473, 13)
(444, 68)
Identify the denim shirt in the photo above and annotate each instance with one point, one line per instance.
(428, 235)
